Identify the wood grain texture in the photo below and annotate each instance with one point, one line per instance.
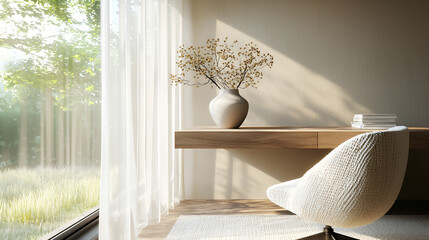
(281, 137)
(238, 139)
(330, 140)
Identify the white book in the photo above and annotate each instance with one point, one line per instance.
(375, 120)
(379, 127)
(374, 123)
(374, 116)
(372, 126)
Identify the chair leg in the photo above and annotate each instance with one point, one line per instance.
(327, 234)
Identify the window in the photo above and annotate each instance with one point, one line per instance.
(49, 114)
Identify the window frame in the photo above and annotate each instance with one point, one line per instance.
(77, 227)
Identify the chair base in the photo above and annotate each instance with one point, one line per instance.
(328, 233)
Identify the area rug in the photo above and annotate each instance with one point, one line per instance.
(392, 227)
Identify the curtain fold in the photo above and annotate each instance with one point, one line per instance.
(140, 170)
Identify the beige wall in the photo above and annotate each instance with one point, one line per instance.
(331, 59)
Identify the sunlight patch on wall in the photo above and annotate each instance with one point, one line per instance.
(290, 93)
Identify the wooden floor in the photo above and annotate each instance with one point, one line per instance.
(251, 207)
(211, 207)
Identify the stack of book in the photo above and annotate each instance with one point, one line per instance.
(374, 121)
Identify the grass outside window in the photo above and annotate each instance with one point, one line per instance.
(34, 202)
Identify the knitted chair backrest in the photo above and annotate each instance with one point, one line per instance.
(356, 183)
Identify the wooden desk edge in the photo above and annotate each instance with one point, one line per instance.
(281, 137)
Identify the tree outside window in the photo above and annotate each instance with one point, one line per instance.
(49, 113)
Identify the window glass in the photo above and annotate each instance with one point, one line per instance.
(49, 114)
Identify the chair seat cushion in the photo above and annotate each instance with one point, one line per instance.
(281, 193)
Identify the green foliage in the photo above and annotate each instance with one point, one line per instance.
(35, 202)
(61, 44)
(57, 57)
(92, 9)
(57, 7)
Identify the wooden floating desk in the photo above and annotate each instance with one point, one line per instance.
(281, 137)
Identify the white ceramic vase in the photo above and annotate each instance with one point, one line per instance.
(229, 109)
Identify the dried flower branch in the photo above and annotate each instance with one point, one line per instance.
(217, 64)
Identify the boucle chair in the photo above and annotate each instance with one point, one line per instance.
(354, 185)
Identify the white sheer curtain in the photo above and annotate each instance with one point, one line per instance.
(140, 171)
